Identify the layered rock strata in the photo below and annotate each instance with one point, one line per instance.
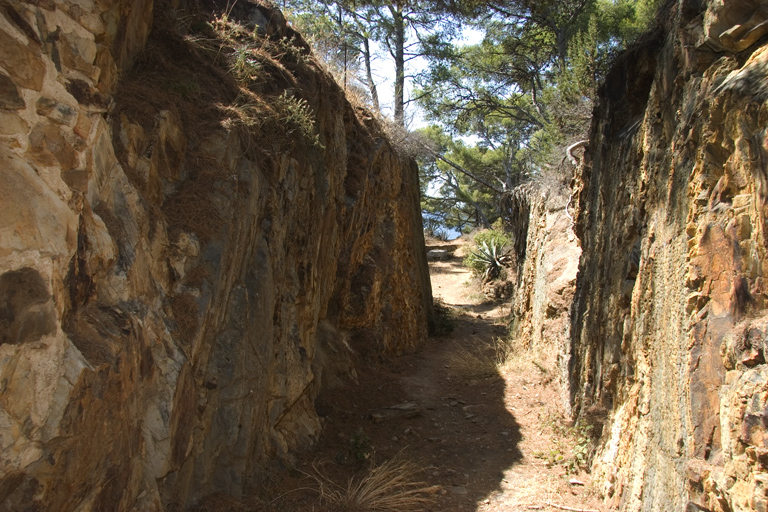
(547, 253)
(668, 325)
(189, 250)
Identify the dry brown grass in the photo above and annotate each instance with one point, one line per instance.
(502, 355)
(477, 362)
(518, 355)
(390, 487)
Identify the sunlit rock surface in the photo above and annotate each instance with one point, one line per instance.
(174, 289)
(668, 319)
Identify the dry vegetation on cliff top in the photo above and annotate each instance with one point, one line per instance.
(210, 73)
(475, 417)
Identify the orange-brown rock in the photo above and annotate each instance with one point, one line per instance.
(176, 284)
(667, 324)
(548, 258)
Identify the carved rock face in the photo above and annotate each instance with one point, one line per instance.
(735, 26)
(176, 286)
(674, 348)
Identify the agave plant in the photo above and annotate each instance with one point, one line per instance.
(492, 257)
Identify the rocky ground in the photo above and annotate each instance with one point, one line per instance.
(485, 436)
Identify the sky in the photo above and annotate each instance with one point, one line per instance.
(384, 76)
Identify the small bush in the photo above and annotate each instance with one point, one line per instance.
(297, 113)
(360, 446)
(489, 252)
(244, 64)
(573, 449)
(489, 255)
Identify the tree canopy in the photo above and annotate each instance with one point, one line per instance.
(503, 110)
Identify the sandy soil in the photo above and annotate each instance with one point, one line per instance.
(486, 438)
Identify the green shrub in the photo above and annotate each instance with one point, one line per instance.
(488, 255)
(297, 114)
(360, 446)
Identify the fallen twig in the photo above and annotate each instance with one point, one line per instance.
(562, 507)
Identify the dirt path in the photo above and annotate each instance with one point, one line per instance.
(488, 439)
(507, 433)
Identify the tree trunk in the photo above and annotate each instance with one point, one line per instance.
(369, 74)
(397, 16)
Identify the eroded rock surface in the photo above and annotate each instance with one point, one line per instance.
(547, 253)
(668, 322)
(175, 288)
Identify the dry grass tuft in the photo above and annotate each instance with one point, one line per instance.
(519, 355)
(475, 363)
(390, 487)
(503, 355)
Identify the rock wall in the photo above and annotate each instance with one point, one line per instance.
(668, 323)
(191, 246)
(548, 259)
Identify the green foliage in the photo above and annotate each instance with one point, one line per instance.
(244, 64)
(523, 95)
(297, 113)
(488, 256)
(344, 33)
(582, 450)
(453, 198)
(575, 447)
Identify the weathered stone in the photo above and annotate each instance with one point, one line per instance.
(77, 53)
(171, 291)
(735, 26)
(547, 267)
(10, 98)
(437, 254)
(675, 175)
(22, 62)
(49, 146)
(406, 410)
(76, 179)
(32, 217)
(108, 72)
(11, 124)
(57, 112)
(21, 23)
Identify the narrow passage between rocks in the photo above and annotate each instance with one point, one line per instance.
(488, 436)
